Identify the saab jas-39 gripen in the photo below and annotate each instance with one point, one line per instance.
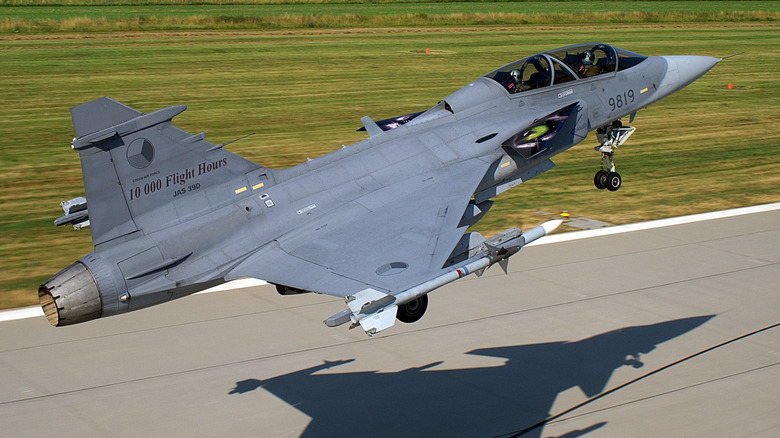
(380, 223)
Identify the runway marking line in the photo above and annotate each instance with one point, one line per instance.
(35, 311)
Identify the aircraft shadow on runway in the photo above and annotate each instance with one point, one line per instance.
(487, 401)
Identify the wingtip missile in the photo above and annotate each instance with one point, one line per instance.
(76, 213)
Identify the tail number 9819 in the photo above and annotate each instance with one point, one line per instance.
(621, 100)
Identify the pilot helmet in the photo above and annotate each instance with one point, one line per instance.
(587, 57)
(516, 75)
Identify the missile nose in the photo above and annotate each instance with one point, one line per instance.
(683, 70)
(551, 226)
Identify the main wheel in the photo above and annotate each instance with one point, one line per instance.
(600, 180)
(614, 181)
(412, 310)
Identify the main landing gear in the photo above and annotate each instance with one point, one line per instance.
(610, 137)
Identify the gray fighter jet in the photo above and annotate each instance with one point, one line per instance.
(381, 223)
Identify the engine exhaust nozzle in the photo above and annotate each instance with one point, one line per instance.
(71, 296)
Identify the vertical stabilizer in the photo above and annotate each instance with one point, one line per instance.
(100, 114)
(138, 166)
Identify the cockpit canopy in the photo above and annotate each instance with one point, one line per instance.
(562, 65)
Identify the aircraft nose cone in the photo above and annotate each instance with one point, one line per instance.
(683, 70)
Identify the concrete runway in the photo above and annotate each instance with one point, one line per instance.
(491, 357)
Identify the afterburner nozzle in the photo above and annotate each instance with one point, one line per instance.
(71, 296)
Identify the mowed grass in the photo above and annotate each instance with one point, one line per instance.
(69, 16)
(303, 92)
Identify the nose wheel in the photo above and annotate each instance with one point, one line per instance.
(610, 137)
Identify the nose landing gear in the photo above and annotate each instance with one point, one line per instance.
(610, 137)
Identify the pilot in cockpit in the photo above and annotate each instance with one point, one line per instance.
(534, 73)
(516, 75)
(582, 62)
(537, 73)
(586, 63)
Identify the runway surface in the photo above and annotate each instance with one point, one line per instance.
(492, 356)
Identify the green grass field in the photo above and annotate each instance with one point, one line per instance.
(68, 15)
(303, 91)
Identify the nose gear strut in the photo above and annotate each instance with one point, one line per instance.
(611, 137)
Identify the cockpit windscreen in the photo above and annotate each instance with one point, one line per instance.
(566, 64)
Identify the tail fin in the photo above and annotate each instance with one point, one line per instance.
(138, 168)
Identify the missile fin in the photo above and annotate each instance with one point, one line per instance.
(379, 321)
(504, 263)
